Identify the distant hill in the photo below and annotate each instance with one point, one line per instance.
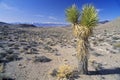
(110, 26)
(103, 22)
(50, 24)
(16, 25)
(25, 25)
(4, 24)
(113, 23)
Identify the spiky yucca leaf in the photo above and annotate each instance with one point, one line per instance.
(73, 14)
(89, 16)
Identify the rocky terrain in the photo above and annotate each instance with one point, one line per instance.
(32, 53)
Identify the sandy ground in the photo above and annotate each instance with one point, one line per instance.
(40, 71)
(104, 61)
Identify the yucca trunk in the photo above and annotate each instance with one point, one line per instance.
(82, 33)
(82, 56)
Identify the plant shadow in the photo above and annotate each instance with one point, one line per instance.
(105, 71)
(75, 75)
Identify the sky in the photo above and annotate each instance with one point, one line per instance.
(52, 11)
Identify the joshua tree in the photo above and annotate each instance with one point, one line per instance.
(83, 23)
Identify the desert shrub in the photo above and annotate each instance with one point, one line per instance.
(64, 71)
(48, 48)
(53, 72)
(96, 66)
(100, 40)
(10, 44)
(32, 51)
(34, 44)
(3, 54)
(105, 30)
(9, 51)
(26, 47)
(117, 45)
(1, 45)
(115, 38)
(21, 50)
(1, 38)
(24, 43)
(11, 57)
(42, 59)
(95, 43)
(1, 67)
(16, 46)
(5, 77)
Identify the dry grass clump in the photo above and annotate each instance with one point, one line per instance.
(64, 71)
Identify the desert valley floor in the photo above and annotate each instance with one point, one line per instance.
(32, 53)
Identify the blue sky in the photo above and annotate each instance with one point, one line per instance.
(52, 11)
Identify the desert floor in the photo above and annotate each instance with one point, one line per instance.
(22, 48)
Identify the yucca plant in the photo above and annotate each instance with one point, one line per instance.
(83, 25)
(73, 15)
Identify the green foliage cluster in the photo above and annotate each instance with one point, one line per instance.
(87, 17)
(73, 14)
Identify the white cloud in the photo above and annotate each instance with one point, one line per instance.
(5, 6)
(52, 18)
(99, 10)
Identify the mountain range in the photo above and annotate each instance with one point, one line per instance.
(18, 24)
